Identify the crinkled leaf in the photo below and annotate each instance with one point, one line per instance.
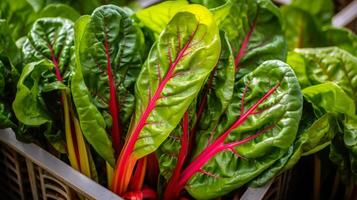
(176, 68)
(254, 29)
(281, 111)
(350, 132)
(218, 89)
(314, 134)
(51, 39)
(168, 152)
(330, 98)
(297, 62)
(340, 156)
(111, 41)
(218, 92)
(28, 105)
(330, 64)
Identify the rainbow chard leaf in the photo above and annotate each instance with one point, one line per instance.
(51, 39)
(218, 91)
(327, 64)
(324, 103)
(266, 105)
(48, 50)
(213, 99)
(156, 17)
(254, 29)
(173, 74)
(30, 105)
(109, 53)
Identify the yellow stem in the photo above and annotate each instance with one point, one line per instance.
(82, 149)
(110, 172)
(68, 132)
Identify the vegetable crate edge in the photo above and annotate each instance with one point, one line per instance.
(25, 176)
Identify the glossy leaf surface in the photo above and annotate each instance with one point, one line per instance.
(281, 111)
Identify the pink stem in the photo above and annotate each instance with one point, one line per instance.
(219, 144)
(130, 143)
(113, 106)
(244, 44)
(170, 188)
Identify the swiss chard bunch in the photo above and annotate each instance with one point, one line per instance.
(43, 97)
(182, 97)
(326, 76)
(220, 127)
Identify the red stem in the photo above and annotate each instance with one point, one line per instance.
(170, 188)
(201, 108)
(152, 170)
(218, 146)
(55, 63)
(244, 44)
(122, 170)
(145, 193)
(113, 105)
(137, 180)
(59, 78)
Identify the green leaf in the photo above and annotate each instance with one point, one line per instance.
(297, 63)
(51, 39)
(7, 45)
(331, 64)
(322, 10)
(209, 3)
(219, 88)
(350, 132)
(28, 105)
(254, 29)
(5, 118)
(341, 157)
(220, 12)
(313, 135)
(18, 15)
(91, 121)
(37, 4)
(329, 97)
(111, 39)
(174, 72)
(158, 16)
(59, 10)
(281, 112)
(342, 38)
(217, 92)
(301, 28)
(2, 78)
